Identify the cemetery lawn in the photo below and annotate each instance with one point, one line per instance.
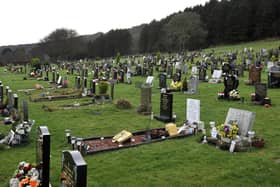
(178, 162)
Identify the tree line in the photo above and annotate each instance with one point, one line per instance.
(216, 22)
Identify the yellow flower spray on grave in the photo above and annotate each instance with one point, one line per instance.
(228, 131)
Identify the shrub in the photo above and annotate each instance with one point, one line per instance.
(123, 104)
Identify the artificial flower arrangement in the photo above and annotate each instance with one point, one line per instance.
(228, 131)
(25, 175)
(234, 95)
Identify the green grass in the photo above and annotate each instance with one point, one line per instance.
(182, 162)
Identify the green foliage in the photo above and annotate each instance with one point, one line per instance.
(35, 63)
(118, 57)
(103, 87)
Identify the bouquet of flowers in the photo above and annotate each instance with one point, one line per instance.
(228, 131)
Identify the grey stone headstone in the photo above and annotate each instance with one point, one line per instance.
(10, 97)
(193, 85)
(245, 119)
(146, 100)
(260, 91)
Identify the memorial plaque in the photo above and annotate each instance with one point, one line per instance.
(193, 110)
(162, 80)
(43, 155)
(244, 119)
(74, 169)
(166, 107)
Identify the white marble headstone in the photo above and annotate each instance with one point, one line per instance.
(149, 80)
(193, 110)
(244, 118)
(217, 74)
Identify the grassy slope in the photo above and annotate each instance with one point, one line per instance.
(182, 162)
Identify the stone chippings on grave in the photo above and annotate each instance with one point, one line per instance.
(74, 170)
(146, 100)
(43, 155)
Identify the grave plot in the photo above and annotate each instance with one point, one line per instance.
(125, 139)
(235, 134)
(56, 95)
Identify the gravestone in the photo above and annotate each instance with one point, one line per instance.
(149, 80)
(169, 71)
(269, 65)
(162, 81)
(274, 77)
(96, 73)
(112, 89)
(231, 82)
(121, 78)
(47, 75)
(59, 81)
(194, 70)
(193, 110)
(84, 85)
(244, 119)
(261, 92)
(254, 75)
(15, 101)
(53, 76)
(166, 107)
(146, 100)
(193, 85)
(202, 74)
(57, 77)
(93, 87)
(1, 93)
(240, 70)
(74, 169)
(216, 76)
(10, 98)
(25, 110)
(43, 145)
(78, 82)
(115, 75)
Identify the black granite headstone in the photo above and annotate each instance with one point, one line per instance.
(43, 155)
(166, 106)
(261, 92)
(15, 101)
(93, 87)
(74, 169)
(25, 110)
(1, 93)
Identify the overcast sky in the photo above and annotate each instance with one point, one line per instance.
(28, 21)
